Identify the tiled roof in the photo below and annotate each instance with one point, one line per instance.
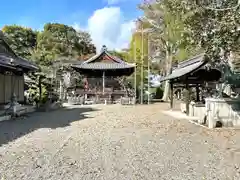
(186, 67)
(9, 59)
(192, 60)
(26, 64)
(16, 62)
(116, 64)
(114, 58)
(103, 66)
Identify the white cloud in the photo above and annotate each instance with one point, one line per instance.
(77, 27)
(108, 27)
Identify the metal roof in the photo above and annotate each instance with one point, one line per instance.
(186, 67)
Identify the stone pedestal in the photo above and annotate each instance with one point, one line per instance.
(134, 100)
(183, 107)
(212, 108)
(191, 108)
(197, 110)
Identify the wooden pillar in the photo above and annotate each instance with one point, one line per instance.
(197, 93)
(103, 82)
(187, 100)
(171, 94)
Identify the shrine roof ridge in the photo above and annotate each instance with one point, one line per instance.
(116, 63)
(104, 66)
(93, 58)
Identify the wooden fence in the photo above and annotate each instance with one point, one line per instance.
(10, 84)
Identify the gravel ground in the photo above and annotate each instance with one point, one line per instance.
(115, 142)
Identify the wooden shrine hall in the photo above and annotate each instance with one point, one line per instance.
(192, 74)
(101, 72)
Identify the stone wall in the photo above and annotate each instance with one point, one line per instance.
(224, 110)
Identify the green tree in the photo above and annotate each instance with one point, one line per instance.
(64, 44)
(138, 53)
(186, 27)
(136, 42)
(21, 39)
(215, 27)
(123, 55)
(85, 40)
(61, 41)
(173, 38)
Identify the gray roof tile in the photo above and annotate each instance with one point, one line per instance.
(186, 67)
(116, 64)
(102, 66)
(9, 59)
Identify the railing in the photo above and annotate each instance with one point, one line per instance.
(96, 96)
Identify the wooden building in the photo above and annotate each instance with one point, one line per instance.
(101, 73)
(12, 69)
(192, 74)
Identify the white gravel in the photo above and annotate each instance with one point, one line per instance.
(115, 142)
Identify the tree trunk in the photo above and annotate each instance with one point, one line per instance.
(166, 91)
(169, 71)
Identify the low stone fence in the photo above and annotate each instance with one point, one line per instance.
(100, 100)
(20, 110)
(127, 100)
(198, 110)
(225, 111)
(75, 100)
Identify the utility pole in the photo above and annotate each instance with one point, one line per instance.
(142, 64)
(135, 75)
(149, 68)
(142, 59)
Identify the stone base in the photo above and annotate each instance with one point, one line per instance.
(127, 101)
(21, 110)
(216, 112)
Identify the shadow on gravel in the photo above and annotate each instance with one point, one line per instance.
(13, 129)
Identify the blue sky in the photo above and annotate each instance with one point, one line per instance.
(108, 21)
